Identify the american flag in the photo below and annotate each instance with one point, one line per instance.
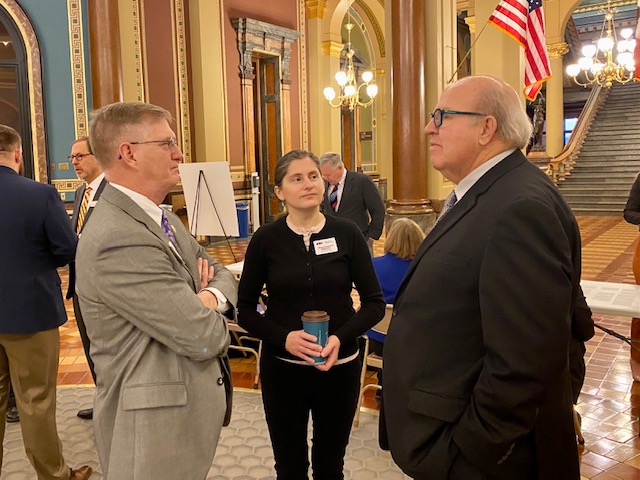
(523, 20)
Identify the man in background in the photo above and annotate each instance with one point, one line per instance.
(476, 373)
(88, 169)
(153, 302)
(36, 239)
(352, 195)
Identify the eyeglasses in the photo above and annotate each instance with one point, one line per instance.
(438, 114)
(78, 156)
(169, 142)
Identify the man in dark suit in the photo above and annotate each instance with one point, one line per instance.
(476, 375)
(36, 239)
(88, 169)
(352, 195)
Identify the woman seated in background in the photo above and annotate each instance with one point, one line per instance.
(400, 246)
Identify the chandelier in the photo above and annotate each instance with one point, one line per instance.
(349, 92)
(597, 65)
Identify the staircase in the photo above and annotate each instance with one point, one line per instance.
(609, 160)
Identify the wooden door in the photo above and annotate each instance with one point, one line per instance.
(270, 132)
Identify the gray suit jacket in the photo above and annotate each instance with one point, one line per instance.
(360, 200)
(159, 400)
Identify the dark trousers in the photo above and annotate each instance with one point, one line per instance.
(289, 393)
(83, 335)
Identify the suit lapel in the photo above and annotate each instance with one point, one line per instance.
(183, 237)
(125, 203)
(346, 191)
(462, 208)
(95, 199)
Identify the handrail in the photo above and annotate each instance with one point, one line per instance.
(560, 166)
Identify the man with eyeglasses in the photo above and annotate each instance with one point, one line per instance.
(153, 302)
(476, 375)
(88, 169)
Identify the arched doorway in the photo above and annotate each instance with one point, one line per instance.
(21, 105)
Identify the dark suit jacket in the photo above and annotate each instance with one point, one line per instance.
(71, 289)
(360, 200)
(36, 238)
(476, 382)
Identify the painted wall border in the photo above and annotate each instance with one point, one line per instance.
(302, 75)
(137, 7)
(36, 105)
(182, 80)
(78, 74)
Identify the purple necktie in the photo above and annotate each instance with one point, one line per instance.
(167, 229)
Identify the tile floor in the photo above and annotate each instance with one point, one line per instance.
(610, 401)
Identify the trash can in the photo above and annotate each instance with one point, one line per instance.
(242, 209)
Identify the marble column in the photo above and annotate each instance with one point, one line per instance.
(554, 104)
(409, 114)
(106, 63)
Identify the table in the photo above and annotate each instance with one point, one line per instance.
(612, 298)
(236, 268)
(621, 299)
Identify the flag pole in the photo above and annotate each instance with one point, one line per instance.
(469, 52)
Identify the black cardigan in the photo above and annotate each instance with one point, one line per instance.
(298, 280)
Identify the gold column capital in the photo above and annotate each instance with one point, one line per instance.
(332, 48)
(471, 22)
(316, 8)
(558, 50)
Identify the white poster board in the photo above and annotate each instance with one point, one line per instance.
(215, 201)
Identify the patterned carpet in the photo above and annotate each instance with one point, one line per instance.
(244, 451)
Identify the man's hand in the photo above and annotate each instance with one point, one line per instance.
(208, 299)
(206, 272)
(330, 352)
(301, 344)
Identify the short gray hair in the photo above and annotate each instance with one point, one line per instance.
(330, 158)
(111, 123)
(501, 101)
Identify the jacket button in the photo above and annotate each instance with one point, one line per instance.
(220, 382)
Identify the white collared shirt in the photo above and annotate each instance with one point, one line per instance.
(476, 174)
(155, 212)
(94, 188)
(340, 187)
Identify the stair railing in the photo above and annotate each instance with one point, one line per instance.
(560, 167)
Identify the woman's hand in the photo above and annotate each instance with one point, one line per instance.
(330, 352)
(301, 344)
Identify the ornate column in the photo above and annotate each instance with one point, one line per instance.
(409, 113)
(323, 61)
(106, 64)
(555, 110)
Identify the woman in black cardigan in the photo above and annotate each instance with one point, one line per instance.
(308, 262)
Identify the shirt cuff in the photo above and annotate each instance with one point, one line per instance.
(222, 300)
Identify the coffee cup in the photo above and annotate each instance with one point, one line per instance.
(316, 323)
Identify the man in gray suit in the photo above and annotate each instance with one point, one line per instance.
(153, 304)
(352, 195)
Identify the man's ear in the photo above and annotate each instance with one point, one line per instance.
(489, 129)
(125, 154)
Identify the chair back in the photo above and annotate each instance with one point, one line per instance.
(383, 325)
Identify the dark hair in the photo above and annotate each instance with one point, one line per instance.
(284, 161)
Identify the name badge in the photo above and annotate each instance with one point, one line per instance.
(324, 246)
(93, 203)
